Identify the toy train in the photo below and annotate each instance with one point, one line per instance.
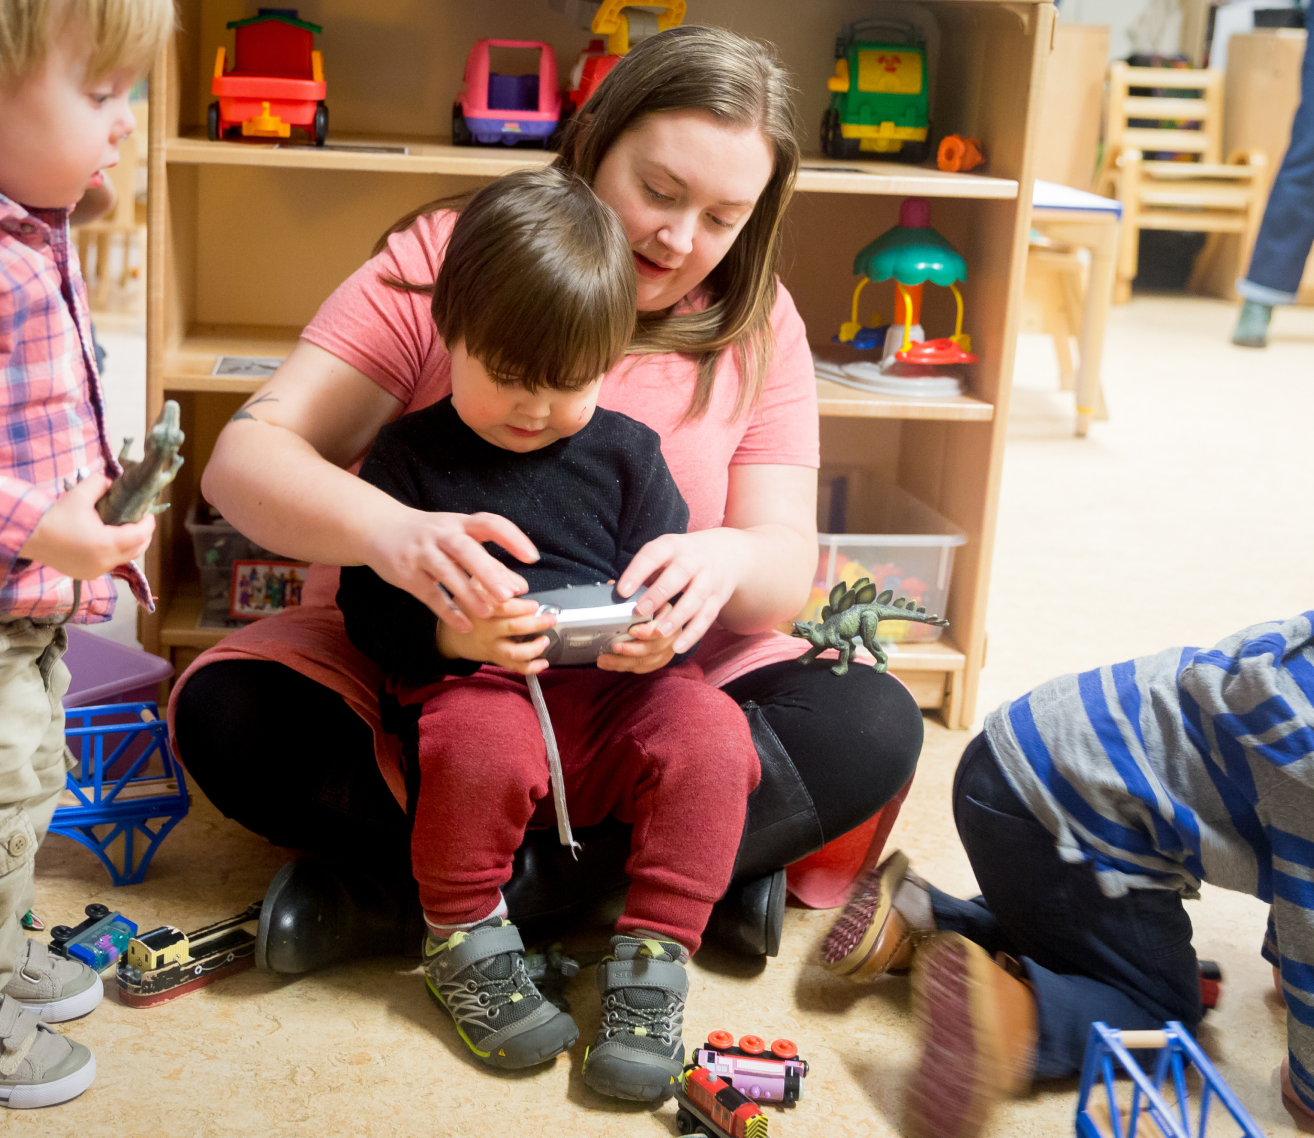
(707, 1102)
(761, 1075)
(166, 963)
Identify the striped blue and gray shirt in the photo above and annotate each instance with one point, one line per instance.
(1192, 765)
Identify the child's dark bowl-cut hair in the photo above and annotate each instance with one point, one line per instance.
(538, 280)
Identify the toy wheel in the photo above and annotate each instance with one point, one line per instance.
(720, 1039)
(97, 912)
(61, 932)
(833, 143)
(321, 124)
(685, 1122)
(784, 1049)
(915, 152)
(212, 122)
(752, 1044)
(461, 135)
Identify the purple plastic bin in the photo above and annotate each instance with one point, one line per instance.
(107, 672)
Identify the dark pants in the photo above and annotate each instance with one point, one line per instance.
(287, 758)
(1127, 961)
(1287, 231)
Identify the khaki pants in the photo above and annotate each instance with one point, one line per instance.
(33, 760)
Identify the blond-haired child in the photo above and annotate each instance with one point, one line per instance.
(66, 67)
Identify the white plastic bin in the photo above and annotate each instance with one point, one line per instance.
(913, 555)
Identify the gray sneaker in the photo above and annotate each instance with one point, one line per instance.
(639, 1052)
(479, 976)
(38, 1066)
(55, 988)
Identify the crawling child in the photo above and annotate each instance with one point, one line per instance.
(535, 301)
(66, 67)
(1090, 808)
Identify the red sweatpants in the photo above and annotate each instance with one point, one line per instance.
(663, 751)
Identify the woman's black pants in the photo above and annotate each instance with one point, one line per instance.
(287, 758)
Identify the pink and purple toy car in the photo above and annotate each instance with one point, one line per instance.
(498, 109)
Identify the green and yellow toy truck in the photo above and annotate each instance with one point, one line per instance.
(878, 104)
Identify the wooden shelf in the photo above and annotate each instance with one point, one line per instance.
(926, 656)
(188, 367)
(178, 628)
(836, 400)
(438, 156)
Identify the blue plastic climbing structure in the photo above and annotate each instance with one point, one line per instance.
(127, 787)
(1108, 1050)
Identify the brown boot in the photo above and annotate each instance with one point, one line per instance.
(887, 916)
(979, 1033)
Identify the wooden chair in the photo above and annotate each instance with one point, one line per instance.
(1193, 190)
(1054, 303)
(126, 222)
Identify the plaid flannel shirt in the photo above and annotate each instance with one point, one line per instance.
(52, 423)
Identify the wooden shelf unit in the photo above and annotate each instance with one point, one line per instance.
(247, 239)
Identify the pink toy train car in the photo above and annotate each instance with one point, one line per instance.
(763, 1075)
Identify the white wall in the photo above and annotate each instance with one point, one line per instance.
(1134, 25)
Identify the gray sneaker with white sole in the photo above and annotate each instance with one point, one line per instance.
(479, 976)
(38, 1066)
(55, 988)
(639, 1052)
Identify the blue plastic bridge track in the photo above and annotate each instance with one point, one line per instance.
(115, 764)
(1107, 1050)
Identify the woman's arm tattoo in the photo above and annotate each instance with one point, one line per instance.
(243, 413)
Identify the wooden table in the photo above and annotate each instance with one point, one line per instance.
(1092, 223)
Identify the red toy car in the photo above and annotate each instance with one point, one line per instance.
(277, 80)
(507, 109)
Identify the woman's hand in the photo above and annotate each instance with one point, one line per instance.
(647, 651)
(419, 551)
(699, 566)
(495, 639)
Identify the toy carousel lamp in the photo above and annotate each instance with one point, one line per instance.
(911, 254)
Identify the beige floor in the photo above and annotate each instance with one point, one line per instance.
(1183, 518)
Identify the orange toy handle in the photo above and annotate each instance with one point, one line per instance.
(957, 154)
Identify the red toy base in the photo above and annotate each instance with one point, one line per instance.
(132, 1000)
(943, 351)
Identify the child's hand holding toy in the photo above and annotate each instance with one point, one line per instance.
(501, 638)
(72, 539)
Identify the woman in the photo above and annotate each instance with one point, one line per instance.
(691, 141)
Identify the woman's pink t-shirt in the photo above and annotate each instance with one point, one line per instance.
(389, 335)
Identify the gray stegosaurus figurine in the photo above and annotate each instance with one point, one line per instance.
(132, 494)
(851, 618)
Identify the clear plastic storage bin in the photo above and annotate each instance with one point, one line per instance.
(913, 555)
(218, 544)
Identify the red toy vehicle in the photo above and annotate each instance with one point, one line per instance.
(613, 20)
(712, 1105)
(507, 109)
(277, 80)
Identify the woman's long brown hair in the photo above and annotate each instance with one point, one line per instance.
(741, 83)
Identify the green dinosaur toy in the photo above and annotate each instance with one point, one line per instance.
(851, 618)
(132, 494)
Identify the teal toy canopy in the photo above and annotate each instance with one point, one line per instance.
(911, 256)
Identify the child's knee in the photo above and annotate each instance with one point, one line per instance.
(489, 738)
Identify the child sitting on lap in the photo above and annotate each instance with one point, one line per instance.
(536, 301)
(65, 72)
